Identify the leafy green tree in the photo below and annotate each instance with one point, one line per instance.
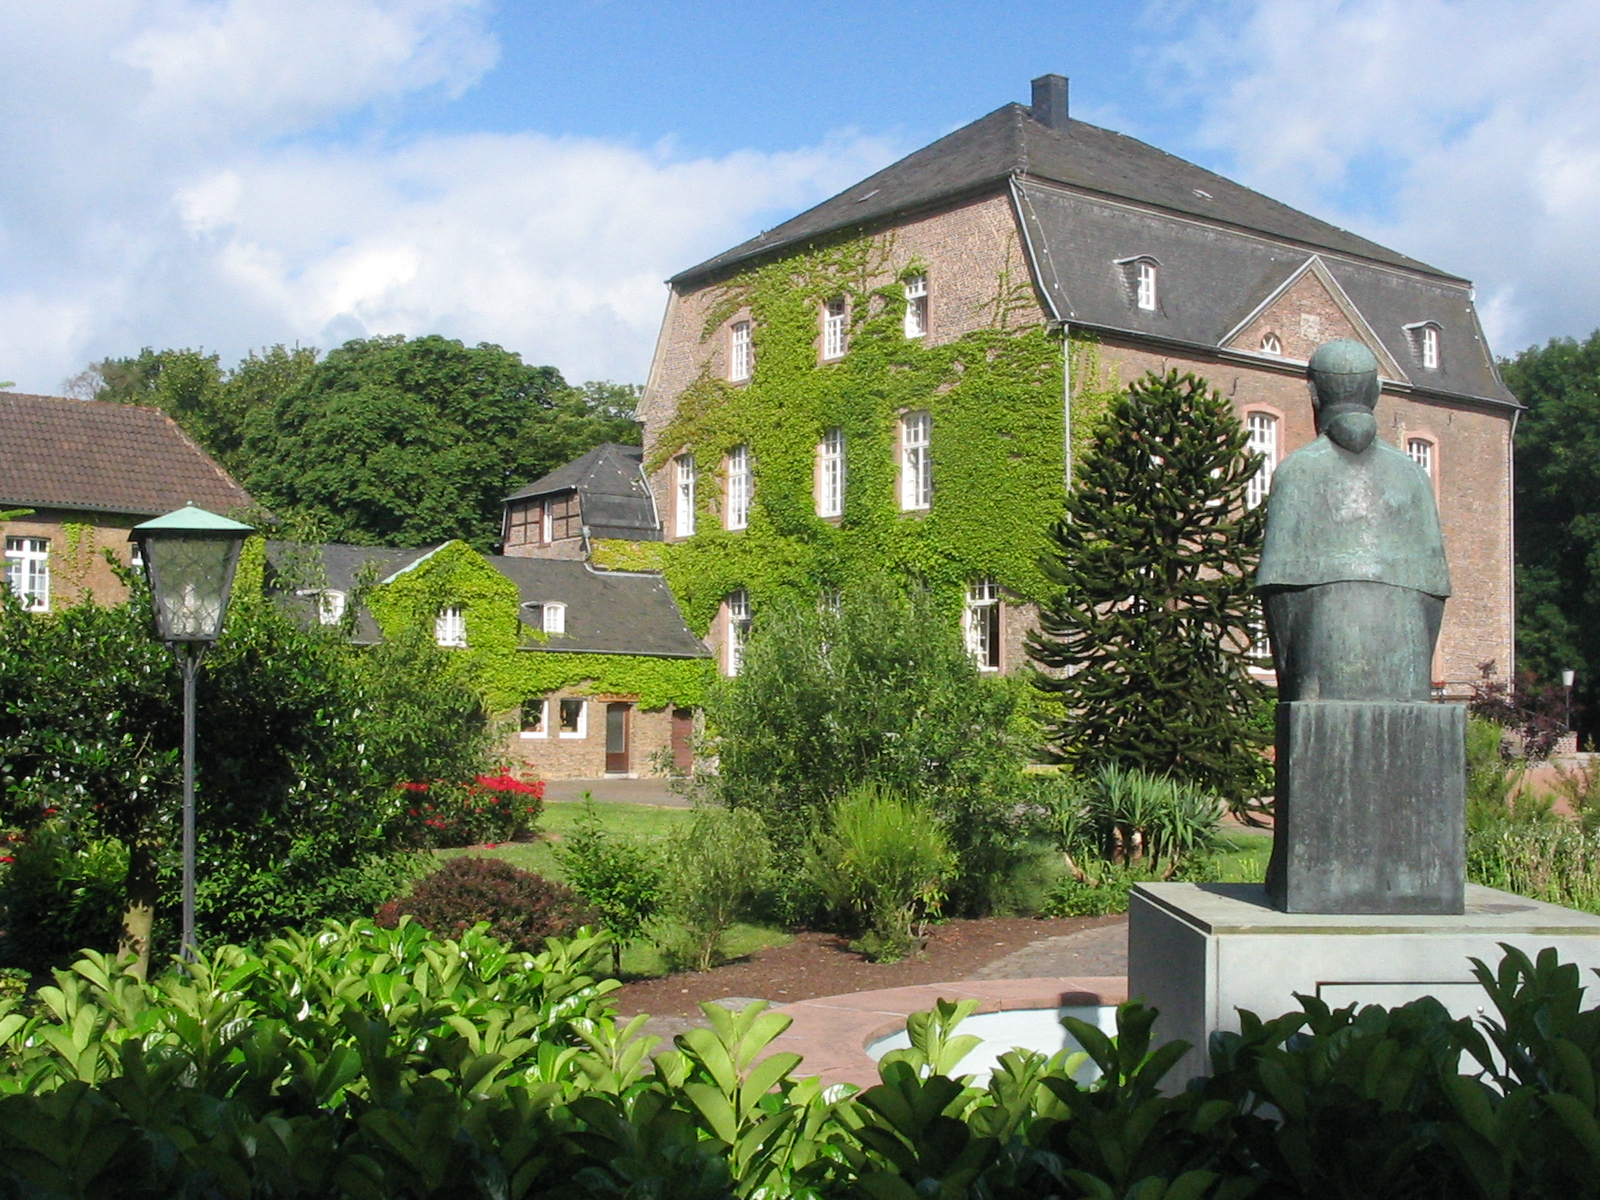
(879, 691)
(619, 879)
(1144, 647)
(393, 441)
(1558, 515)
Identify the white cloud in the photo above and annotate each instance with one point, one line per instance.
(1463, 132)
(157, 191)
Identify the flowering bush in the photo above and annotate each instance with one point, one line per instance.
(492, 808)
(522, 908)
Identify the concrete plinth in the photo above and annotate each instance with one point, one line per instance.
(1200, 952)
(1371, 808)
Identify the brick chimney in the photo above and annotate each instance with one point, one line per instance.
(1050, 101)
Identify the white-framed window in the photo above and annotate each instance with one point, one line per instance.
(1271, 343)
(830, 474)
(330, 604)
(573, 716)
(450, 627)
(739, 359)
(1145, 284)
(28, 571)
(982, 624)
(916, 306)
(1263, 430)
(547, 616)
(1430, 347)
(835, 335)
(683, 496)
(1420, 451)
(740, 490)
(536, 718)
(738, 604)
(916, 461)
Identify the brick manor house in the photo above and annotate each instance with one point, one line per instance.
(1133, 260)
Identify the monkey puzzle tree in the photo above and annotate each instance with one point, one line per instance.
(1145, 646)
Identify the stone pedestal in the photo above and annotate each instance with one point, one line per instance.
(1370, 808)
(1200, 952)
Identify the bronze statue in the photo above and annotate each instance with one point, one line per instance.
(1353, 574)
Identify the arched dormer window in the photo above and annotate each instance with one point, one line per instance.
(1141, 276)
(330, 604)
(1427, 344)
(547, 616)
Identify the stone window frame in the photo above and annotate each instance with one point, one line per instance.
(1424, 434)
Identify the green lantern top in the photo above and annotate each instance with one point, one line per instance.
(189, 558)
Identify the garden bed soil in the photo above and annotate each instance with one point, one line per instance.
(822, 964)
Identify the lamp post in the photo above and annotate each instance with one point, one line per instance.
(1567, 676)
(189, 559)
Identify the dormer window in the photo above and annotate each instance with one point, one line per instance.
(1140, 276)
(1426, 344)
(330, 604)
(450, 628)
(834, 336)
(916, 306)
(547, 616)
(739, 359)
(1271, 344)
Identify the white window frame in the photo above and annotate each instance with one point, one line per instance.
(1272, 344)
(1430, 347)
(330, 604)
(1423, 452)
(739, 356)
(554, 618)
(835, 327)
(831, 473)
(983, 607)
(916, 322)
(738, 629)
(543, 732)
(450, 628)
(916, 461)
(1263, 430)
(28, 571)
(740, 489)
(582, 730)
(1145, 284)
(684, 498)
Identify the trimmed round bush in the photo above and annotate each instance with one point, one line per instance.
(522, 908)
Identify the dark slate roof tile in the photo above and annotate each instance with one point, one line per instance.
(608, 612)
(616, 500)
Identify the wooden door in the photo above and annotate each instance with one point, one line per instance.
(683, 739)
(617, 739)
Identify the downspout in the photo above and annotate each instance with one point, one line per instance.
(1511, 540)
(1066, 405)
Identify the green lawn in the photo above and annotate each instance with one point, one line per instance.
(645, 822)
(1243, 855)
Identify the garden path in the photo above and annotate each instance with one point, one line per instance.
(614, 791)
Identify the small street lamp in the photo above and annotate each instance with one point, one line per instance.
(1567, 676)
(189, 559)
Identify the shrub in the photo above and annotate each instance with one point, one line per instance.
(521, 909)
(1555, 860)
(1131, 817)
(619, 880)
(715, 866)
(490, 809)
(60, 896)
(884, 861)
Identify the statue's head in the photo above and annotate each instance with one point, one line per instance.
(1344, 391)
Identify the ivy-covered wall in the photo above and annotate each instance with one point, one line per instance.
(995, 396)
(502, 655)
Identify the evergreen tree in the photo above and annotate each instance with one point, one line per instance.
(1145, 647)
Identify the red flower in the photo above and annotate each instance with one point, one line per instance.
(413, 787)
(6, 858)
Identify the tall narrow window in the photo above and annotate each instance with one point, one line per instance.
(983, 624)
(1420, 451)
(739, 352)
(450, 627)
(1430, 347)
(916, 306)
(28, 571)
(834, 337)
(916, 461)
(683, 512)
(1263, 429)
(1146, 291)
(830, 474)
(738, 628)
(739, 489)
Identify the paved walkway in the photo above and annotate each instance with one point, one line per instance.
(614, 791)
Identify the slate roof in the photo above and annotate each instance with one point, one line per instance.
(1213, 277)
(294, 567)
(608, 612)
(1009, 143)
(109, 458)
(615, 499)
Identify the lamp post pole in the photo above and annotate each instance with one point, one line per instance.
(1567, 678)
(189, 558)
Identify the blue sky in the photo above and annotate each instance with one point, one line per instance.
(234, 173)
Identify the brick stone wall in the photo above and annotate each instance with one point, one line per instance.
(77, 566)
(557, 756)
